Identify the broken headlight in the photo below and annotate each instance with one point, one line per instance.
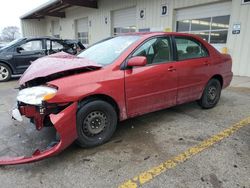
(36, 95)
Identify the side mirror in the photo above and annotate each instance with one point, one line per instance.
(19, 49)
(138, 61)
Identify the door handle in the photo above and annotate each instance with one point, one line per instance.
(171, 69)
(206, 63)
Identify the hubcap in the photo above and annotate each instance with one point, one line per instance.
(95, 123)
(212, 93)
(4, 73)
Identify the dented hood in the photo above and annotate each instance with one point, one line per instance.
(56, 63)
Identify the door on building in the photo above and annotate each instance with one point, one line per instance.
(55, 28)
(210, 22)
(124, 21)
(82, 31)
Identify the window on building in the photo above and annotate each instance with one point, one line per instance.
(121, 30)
(144, 30)
(83, 37)
(82, 31)
(188, 48)
(55, 27)
(33, 45)
(212, 29)
(156, 50)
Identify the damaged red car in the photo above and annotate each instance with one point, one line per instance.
(85, 97)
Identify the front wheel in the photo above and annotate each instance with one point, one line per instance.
(5, 73)
(96, 123)
(211, 94)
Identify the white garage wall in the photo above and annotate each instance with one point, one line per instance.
(188, 3)
(238, 45)
(97, 17)
(33, 27)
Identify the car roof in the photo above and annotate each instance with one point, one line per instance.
(153, 34)
(148, 34)
(45, 37)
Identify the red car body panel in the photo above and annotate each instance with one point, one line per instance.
(135, 91)
(150, 88)
(65, 124)
(53, 64)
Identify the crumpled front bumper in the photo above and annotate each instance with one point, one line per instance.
(65, 124)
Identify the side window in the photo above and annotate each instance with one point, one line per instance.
(34, 45)
(189, 48)
(54, 45)
(156, 50)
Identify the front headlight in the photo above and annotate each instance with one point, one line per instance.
(36, 95)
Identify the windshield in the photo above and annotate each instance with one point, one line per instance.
(11, 43)
(106, 52)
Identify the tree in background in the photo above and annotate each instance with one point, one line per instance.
(10, 33)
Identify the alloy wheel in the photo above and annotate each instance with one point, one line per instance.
(4, 73)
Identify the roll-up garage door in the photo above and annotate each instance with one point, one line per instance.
(218, 9)
(82, 31)
(124, 21)
(211, 22)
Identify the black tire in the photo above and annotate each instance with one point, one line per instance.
(96, 123)
(5, 73)
(211, 94)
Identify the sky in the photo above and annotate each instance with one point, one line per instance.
(11, 10)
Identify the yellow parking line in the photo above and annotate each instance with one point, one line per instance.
(152, 173)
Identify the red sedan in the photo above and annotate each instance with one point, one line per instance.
(85, 97)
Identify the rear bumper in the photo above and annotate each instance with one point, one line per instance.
(227, 78)
(65, 124)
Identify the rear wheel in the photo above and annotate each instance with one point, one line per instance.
(211, 94)
(5, 73)
(96, 123)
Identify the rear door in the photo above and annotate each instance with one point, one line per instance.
(30, 51)
(153, 86)
(193, 68)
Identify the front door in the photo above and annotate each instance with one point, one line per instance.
(153, 86)
(28, 52)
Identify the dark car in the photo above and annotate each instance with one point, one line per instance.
(17, 56)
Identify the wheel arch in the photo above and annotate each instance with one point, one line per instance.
(102, 97)
(218, 77)
(9, 66)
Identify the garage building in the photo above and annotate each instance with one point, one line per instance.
(223, 23)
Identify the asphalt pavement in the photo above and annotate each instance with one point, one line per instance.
(139, 145)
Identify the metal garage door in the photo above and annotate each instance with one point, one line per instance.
(124, 21)
(82, 31)
(55, 27)
(211, 22)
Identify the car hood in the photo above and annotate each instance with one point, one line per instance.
(57, 63)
